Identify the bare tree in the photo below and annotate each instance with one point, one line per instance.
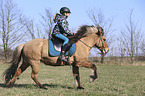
(47, 22)
(131, 38)
(143, 47)
(10, 27)
(41, 30)
(29, 27)
(98, 19)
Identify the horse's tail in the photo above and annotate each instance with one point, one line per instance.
(10, 72)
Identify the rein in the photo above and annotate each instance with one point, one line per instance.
(98, 44)
(85, 44)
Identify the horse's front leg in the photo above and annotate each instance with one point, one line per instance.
(94, 73)
(75, 70)
(87, 64)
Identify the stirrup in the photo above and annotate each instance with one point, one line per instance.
(63, 58)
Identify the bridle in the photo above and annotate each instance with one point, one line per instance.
(100, 34)
(101, 40)
(98, 44)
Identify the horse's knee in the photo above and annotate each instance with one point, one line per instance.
(94, 67)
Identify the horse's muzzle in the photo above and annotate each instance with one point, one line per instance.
(105, 51)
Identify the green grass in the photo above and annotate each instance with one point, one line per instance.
(114, 80)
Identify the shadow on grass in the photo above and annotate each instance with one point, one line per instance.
(32, 86)
(55, 85)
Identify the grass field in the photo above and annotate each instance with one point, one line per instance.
(114, 80)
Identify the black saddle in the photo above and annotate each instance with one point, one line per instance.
(57, 43)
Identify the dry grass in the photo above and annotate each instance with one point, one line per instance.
(114, 80)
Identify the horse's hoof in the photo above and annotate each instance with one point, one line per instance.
(92, 78)
(42, 87)
(80, 87)
(45, 88)
(9, 85)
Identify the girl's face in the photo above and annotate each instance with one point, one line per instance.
(66, 14)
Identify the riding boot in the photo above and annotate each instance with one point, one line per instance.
(62, 54)
(62, 57)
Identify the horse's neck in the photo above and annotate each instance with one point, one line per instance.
(90, 40)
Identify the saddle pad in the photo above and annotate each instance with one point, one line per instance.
(54, 52)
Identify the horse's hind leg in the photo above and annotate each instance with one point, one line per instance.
(18, 72)
(34, 74)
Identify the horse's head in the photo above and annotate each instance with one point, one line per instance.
(101, 43)
(100, 40)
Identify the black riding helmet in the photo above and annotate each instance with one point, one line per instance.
(64, 10)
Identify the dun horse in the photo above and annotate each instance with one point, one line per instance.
(36, 51)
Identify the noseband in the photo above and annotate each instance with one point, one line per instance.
(100, 34)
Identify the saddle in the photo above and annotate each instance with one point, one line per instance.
(55, 45)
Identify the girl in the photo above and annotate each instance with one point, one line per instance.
(61, 29)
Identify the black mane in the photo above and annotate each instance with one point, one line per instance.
(83, 31)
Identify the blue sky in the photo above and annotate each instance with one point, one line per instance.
(119, 10)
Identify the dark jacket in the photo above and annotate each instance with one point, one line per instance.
(61, 25)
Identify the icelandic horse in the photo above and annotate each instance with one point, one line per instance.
(36, 51)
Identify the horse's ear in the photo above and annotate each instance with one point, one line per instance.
(99, 32)
(102, 31)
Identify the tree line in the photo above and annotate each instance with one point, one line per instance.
(15, 29)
